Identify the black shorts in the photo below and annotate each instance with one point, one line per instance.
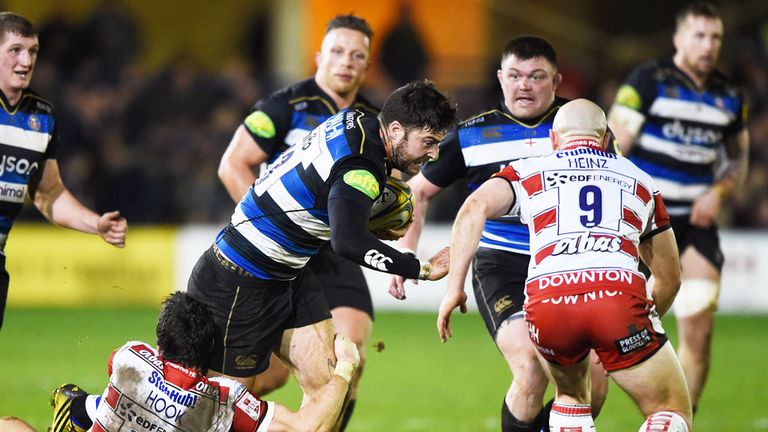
(4, 282)
(251, 313)
(341, 280)
(498, 279)
(705, 240)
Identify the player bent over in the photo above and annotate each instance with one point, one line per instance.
(591, 215)
(166, 388)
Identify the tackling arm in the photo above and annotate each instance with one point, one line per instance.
(321, 412)
(625, 123)
(60, 207)
(493, 199)
(660, 254)
(236, 168)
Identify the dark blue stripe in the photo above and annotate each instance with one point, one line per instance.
(299, 191)
(490, 133)
(676, 175)
(6, 222)
(21, 120)
(729, 103)
(511, 231)
(263, 223)
(305, 121)
(236, 258)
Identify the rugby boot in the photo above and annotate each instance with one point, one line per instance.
(61, 401)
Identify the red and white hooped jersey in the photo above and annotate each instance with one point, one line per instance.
(587, 212)
(148, 393)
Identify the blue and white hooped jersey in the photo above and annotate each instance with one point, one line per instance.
(283, 220)
(27, 139)
(483, 145)
(683, 137)
(288, 115)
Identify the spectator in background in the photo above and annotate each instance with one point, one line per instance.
(675, 117)
(28, 145)
(403, 54)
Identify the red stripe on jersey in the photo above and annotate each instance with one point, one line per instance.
(642, 193)
(629, 248)
(249, 413)
(507, 173)
(112, 397)
(660, 215)
(223, 392)
(544, 219)
(109, 362)
(533, 184)
(97, 427)
(631, 218)
(544, 252)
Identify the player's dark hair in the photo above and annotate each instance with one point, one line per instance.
(14, 23)
(527, 47)
(697, 9)
(350, 22)
(185, 331)
(419, 105)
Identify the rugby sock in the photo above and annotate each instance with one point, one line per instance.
(545, 415)
(664, 421)
(571, 418)
(510, 423)
(347, 415)
(79, 414)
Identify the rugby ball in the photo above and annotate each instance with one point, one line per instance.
(393, 208)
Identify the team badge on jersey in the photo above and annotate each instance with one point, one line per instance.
(363, 181)
(629, 97)
(33, 122)
(260, 124)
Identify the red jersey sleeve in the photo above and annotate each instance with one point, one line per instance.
(252, 414)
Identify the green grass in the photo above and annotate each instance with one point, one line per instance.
(414, 384)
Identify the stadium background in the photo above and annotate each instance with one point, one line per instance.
(149, 93)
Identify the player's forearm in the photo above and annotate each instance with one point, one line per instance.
(319, 414)
(351, 239)
(237, 178)
(738, 166)
(60, 207)
(625, 123)
(661, 256)
(465, 236)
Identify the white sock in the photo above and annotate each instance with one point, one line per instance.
(664, 421)
(571, 418)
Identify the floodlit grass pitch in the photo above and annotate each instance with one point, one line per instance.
(413, 384)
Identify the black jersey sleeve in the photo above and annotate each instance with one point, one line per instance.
(638, 91)
(269, 122)
(449, 165)
(53, 144)
(349, 208)
(739, 123)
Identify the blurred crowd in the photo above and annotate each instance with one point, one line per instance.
(148, 142)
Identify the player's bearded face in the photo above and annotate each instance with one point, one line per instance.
(342, 61)
(18, 55)
(698, 41)
(415, 148)
(528, 85)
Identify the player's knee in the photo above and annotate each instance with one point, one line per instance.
(695, 296)
(664, 421)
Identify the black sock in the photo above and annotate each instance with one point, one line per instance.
(509, 423)
(78, 412)
(347, 415)
(545, 414)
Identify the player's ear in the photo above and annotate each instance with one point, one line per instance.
(557, 80)
(396, 131)
(553, 139)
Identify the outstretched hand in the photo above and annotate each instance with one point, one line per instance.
(113, 228)
(439, 264)
(453, 298)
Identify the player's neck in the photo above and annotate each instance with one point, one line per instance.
(341, 101)
(697, 79)
(12, 96)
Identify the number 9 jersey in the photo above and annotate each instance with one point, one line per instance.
(586, 211)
